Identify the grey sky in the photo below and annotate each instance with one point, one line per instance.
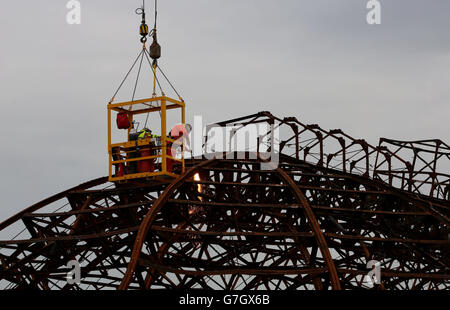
(317, 60)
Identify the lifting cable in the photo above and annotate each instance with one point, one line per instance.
(157, 80)
(137, 76)
(153, 52)
(126, 76)
(160, 70)
(156, 12)
(147, 55)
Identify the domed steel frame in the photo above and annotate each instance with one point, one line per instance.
(314, 222)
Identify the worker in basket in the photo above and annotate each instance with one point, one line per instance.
(133, 152)
(147, 165)
(178, 133)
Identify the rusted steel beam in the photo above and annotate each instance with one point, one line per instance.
(92, 211)
(147, 222)
(399, 274)
(72, 237)
(394, 213)
(316, 228)
(239, 217)
(52, 199)
(259, 271)
(235, 184)
(234, 233)
(398, 240)
(233, 205)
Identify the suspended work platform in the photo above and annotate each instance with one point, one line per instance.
(144, 154)
(149, 156)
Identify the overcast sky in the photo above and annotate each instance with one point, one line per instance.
(317, 60)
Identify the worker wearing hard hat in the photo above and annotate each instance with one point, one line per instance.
(178, 132)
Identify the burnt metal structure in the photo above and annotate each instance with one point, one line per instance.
(330, 206)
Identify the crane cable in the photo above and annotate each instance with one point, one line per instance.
(156, 12)
(154, 52)
(126, 76)
(143, 28)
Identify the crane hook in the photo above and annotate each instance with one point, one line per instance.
(143, 28)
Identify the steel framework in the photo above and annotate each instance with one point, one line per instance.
(331, 205)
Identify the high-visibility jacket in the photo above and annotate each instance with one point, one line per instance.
(144, 134)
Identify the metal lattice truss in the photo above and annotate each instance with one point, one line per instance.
(414, 166)
(313, 222)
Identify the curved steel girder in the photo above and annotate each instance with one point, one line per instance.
(334, 278)
(163, 249)
(51, 199)
(381, 155)
(146, 224)
(415, 200)
(428, 206)
(148, 219)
